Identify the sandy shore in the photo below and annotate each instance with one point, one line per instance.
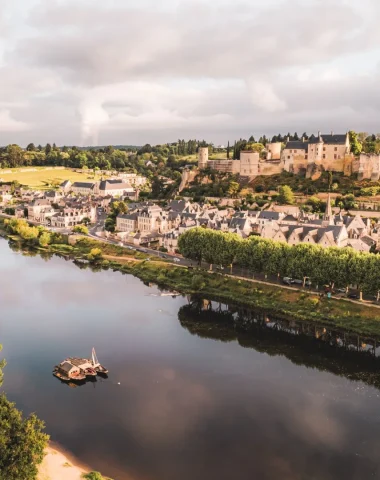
(58, 466)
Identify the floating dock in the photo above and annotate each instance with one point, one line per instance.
(78, 369)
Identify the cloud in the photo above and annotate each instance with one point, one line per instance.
(9, 124)
(216, 70)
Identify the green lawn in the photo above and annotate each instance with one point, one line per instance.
(41, 178)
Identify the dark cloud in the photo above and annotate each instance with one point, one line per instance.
(205, 69)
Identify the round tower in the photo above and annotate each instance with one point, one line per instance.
(202, 157)
(274, 151)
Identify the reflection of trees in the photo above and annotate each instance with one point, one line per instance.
(303, 344)
(46, 256)
(14, 246)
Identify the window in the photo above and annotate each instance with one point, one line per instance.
(335, 149)
(335, 157)
(288, 157)
(324, 149)
(324, 156)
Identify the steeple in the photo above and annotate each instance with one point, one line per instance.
(328, 218)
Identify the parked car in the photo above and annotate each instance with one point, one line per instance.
(177, 260)
(164, 256)
(297, 281)
(353, 296)
(341, 290)
(287, 280)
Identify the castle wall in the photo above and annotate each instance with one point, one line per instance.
(369, 167)
(270, 168)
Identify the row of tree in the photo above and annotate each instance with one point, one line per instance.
(340, 267)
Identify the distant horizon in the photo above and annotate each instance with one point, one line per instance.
(215, 144)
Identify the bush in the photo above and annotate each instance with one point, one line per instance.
(80, 229)
(197, 282)
(94, 476)
(95, 255)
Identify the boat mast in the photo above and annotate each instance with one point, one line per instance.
(95, 360)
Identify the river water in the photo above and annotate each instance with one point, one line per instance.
(193, 393)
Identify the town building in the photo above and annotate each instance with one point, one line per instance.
(117, 188)
(85, 188)
(70, 216)
(132, 179)
(39, 210)
(65, 186)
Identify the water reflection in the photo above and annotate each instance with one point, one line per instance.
(308, 344)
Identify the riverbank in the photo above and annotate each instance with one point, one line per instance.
(58, 466)
(282, 302)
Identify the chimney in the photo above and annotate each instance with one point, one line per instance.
(303, 138)
(332, 133)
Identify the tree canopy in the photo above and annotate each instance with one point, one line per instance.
(22, 441)
(334, 266)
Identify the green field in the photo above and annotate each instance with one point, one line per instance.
(42, 178)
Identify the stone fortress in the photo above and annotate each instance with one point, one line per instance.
(308, 157)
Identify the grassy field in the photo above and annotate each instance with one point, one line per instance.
(41, 179)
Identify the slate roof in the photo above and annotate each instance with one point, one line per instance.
(83, 185)
(316, 232)
(331, 139)
(267, 215)
(177, 205)
(299, 145)
(113, 185)
(239, 223)
(66, 367)
(328, 139)
(128, 216)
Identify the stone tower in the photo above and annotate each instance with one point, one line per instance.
(202, 157)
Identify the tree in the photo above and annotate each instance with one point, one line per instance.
(31, 147)
(233, 189)
(355, 144)
(286, 195)
(22, 443)
(228, 149)
(80, 229)
(86, 221)
(45, 239)
(48, 149)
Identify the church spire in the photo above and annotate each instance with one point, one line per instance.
(328, 216)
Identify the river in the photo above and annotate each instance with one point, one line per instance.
(192, 393)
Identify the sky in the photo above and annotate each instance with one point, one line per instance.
(95, 72)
